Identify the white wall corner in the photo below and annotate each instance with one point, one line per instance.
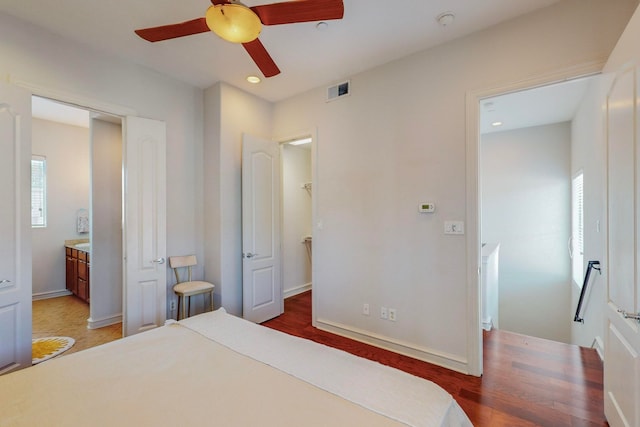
(598, 345)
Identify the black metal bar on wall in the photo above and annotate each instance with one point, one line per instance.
(593, 265)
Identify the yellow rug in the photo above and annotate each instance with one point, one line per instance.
(45, 348)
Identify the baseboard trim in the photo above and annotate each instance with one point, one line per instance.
(297, 290)
(598, 345)
(50, 294)
(444, 360)
(105, 321)
(487, 324)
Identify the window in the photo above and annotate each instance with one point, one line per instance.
(38, 191)
(576, 248)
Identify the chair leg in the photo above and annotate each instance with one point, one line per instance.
(178, 313)
(185, 313)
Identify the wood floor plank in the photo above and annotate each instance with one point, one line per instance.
(527, 381)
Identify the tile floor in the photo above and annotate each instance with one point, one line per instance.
(67, 316)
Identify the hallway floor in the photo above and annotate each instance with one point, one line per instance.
(67, 316)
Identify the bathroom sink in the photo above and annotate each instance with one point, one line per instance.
(83, 246)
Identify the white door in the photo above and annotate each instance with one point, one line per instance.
(15, 228)
(622, 333)
(261, 283)
(145, 272)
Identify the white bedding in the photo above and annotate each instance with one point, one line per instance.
(216, 369)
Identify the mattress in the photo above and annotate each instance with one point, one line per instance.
(217, 369)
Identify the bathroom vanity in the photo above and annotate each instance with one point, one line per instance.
(78, 265)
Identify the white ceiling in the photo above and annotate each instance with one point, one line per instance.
(307, 57)
(543, 105)
(373, 32)
(46, 109)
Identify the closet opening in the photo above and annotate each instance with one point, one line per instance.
(296, 195)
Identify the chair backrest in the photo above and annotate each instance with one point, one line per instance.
(177, 262)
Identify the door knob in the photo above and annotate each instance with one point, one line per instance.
(629, 315)
(250, 255)
(158, 261)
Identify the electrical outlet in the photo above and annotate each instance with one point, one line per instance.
(172, 305)
(392, 314)
(383, 313)
(365, 308)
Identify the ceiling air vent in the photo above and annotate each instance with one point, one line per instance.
(338, 91)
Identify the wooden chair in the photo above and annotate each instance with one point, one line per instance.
(186, 289)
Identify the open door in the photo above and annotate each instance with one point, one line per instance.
(145, 272)
(15, 228)
(261, 264)
(622, 311)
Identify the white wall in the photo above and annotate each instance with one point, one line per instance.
(67, 151)
(399, 139)
(230, 112)
(589, 148)
(106, 222)
(526, 207)
(42, 59)
(296, 219)
(589, 155)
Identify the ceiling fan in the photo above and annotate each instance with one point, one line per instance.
(237, 23)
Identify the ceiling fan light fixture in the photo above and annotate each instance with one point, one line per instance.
(234, 22)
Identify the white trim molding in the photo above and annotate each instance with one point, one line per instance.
(74, 99)
(297, 290)
(50, 294)
(105, 321)
(473, 214)
(448, 361)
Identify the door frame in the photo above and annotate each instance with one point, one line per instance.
(86, 103)
(473, 207)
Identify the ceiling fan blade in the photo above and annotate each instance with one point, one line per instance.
(299, 11)
(166, 32)
(261, 57)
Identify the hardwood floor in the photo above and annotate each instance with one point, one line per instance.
(527, 381)
(67, 316)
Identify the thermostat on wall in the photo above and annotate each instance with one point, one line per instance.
(426, 207)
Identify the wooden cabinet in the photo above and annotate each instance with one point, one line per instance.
(78, 266)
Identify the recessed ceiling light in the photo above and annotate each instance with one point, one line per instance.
(253, 79)
(496, 124)
(322, 26)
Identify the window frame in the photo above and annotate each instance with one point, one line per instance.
(576, 246)
(42, 175)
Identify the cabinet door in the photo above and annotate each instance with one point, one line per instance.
(72, 274)
(83, 278)
(83, 289)
(82, 270)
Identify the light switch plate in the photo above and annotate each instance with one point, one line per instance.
(454, 227)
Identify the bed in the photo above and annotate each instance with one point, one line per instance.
(217, 369)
